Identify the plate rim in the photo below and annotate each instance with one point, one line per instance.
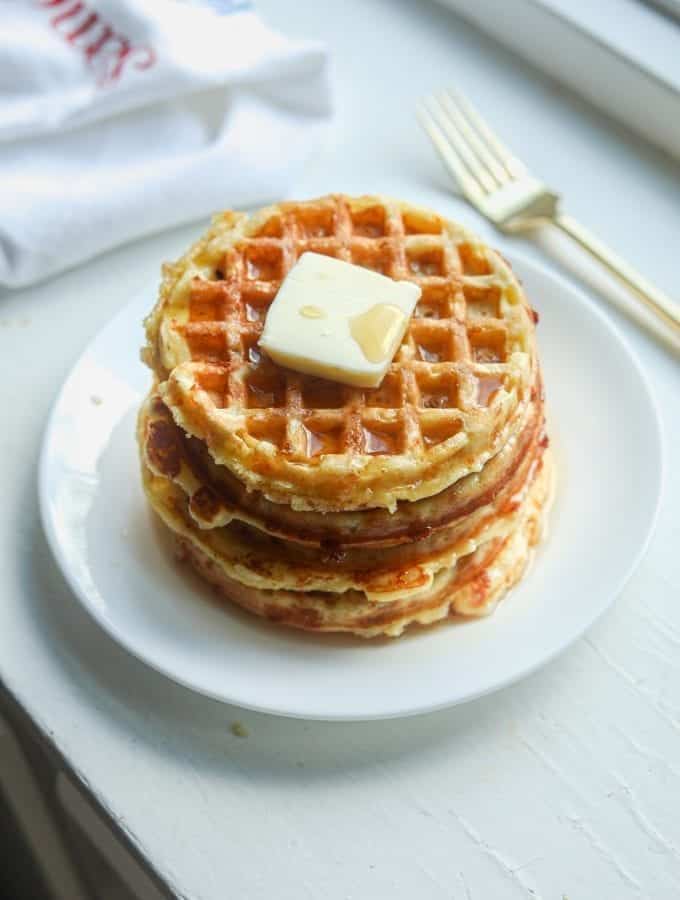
(119, 636)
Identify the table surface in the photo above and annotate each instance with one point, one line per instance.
(566, 784)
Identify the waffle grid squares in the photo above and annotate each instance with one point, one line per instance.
(436, 375)
(454, 394)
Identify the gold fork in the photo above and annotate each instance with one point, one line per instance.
(495, 182)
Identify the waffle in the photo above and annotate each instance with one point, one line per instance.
(455, 394)
(382, 574)
(335, 508)
(216, 498)
(471, 587)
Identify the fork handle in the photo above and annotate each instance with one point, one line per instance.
(651, 296)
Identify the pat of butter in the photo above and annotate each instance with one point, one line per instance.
(338, 321)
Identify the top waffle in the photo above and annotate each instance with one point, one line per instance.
(456, 391)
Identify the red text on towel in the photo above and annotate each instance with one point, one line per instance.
(105, 49)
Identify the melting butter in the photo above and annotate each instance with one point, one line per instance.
(377, 330)
(312, 312)
(338, 321)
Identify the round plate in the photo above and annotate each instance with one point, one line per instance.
(606, 434)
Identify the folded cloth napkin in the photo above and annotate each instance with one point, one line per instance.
(119, 118)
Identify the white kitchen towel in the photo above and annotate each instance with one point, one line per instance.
(119, 118)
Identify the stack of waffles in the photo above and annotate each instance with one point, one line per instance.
(336, 508)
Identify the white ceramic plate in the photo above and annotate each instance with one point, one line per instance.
(606, 434)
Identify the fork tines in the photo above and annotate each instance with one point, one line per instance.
(473, 154)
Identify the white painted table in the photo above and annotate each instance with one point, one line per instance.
(566, 785)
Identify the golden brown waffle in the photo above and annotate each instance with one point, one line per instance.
(472, 587)
(216, 497)
(455, 393)
(382, 574)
